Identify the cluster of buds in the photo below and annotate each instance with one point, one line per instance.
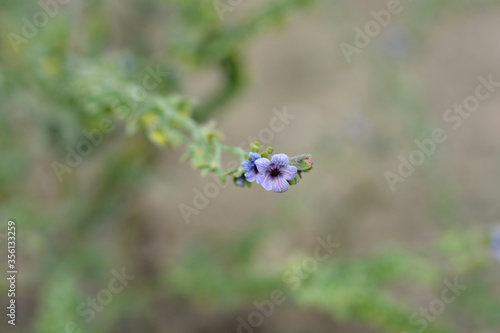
(275, 173)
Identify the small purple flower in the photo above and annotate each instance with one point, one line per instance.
(495, 243)
(274, 175)
(251, 168)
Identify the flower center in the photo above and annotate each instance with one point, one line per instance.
(275, 172)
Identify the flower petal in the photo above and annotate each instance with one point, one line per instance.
(262, 164)
(280, 184)
(266, 181)
(254, 156)
(260, 178)
(250, 175)
(280, 160)
(289, 172)
(247, 165)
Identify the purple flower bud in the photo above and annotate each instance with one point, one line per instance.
(309, 160)
(273, 175)
(240, 181)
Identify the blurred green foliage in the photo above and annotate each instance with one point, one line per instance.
(357, 289)
(70, 76)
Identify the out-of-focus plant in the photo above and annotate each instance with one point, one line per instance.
(99, 88)
(359, 288)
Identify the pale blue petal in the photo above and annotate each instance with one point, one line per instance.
(254, 156)
(262, 164)
(260, 178)
(289, 172)
(247, 165)
(280, 160)
(250, 175)
(280, 185)
(267, 181)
